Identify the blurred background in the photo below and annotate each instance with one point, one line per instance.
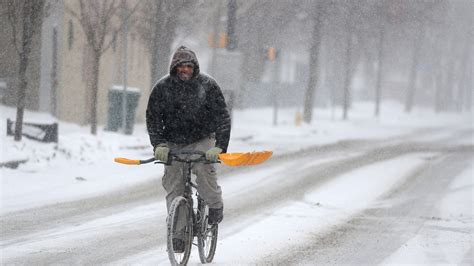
(76, 59)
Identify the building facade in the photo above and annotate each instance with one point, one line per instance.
(62, 65)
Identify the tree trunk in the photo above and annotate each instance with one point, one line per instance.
(20, 100)
(231, 21)
(348, 68)
(164, 33)
(417, 43)
(378, 86)
(94, 91)
(468, 79)
(468, 86)
(22, 84)
(439, 88)
(164, 50)
(447, 97)
(347, 78)
(215, 41)
(153, 46)
(465, 80)
(313, 64)
(54, 74)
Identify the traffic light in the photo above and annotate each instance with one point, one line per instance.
(210, 40)
(271, 54)
(221, 42)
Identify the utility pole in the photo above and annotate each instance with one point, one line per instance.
(215, 37)
(273, 57)
(54, 74)
(348, 62)
(231, 21)
(231, 45)
(125, 66)
(380, 69)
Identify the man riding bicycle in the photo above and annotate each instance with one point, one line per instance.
(186, 110)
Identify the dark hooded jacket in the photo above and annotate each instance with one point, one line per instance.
(183, 112)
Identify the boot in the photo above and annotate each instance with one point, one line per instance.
(215, 215)
(178, 245)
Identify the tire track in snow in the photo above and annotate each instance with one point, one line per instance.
(372, 235)
(29, 221)
(252, 205)
(144, 236)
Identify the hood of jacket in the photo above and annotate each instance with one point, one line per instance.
(184, 55)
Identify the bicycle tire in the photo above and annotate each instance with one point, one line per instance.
(179, 209)
(207, 236)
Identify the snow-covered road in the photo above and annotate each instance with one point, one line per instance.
(351, 202)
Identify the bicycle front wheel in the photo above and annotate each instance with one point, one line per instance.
(179, 231)
(207, 235)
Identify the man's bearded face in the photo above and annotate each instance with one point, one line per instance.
(185, 71)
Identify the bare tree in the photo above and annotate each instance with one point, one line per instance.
(381, 20)
(316, 36)
(417, 14)
(215, 35)
(348, 61)
(380, 65)
(157, 27)
(417, 44)
(354, 29)
(98, 20)
(465, 89)
(465, 34)
(256, 32)
(347, 27)
(25, 19)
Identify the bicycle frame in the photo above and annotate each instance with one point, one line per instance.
(187, 168)
(197, 221)
(196, 218)
(206, 233)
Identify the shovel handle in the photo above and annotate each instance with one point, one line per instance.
(133, 162)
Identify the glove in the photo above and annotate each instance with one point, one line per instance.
(161, 153)
(213, 154)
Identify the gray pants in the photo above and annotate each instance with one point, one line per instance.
(206, 177)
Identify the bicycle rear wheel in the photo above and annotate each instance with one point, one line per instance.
(179, 226)
(207, 235)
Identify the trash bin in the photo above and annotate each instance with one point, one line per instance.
(115, 111)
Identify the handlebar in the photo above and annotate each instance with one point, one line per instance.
(174, 155)
(186, 152)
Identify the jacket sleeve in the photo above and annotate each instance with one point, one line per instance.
(154, 118)
(222, 118)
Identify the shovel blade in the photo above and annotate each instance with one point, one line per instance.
(245, 158)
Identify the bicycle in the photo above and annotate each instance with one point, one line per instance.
(194, 222)
(186, 222)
